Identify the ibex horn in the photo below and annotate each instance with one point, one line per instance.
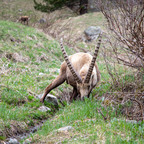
(75, 75)
(87, 79)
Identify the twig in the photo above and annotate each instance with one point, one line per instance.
(30, 92)
(141, 106)
(105, 118)
(1, 85)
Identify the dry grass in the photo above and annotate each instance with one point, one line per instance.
(72, 29)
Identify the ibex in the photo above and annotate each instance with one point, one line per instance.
(24, 19)
(80, 71)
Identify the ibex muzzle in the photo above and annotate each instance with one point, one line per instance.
(80, 71)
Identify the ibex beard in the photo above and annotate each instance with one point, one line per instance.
(80, 70)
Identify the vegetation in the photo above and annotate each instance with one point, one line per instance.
(127, 28)
(30, 60)
(89, 126)
(51, 5)
(25, 72)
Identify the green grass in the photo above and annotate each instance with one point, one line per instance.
(89, 126)
(19, 78)
(12, 10)
(20, 81)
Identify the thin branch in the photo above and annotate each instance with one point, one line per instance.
(140, 105)
(105, 118)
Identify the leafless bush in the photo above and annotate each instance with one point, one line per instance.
(123, 43)
(132, 104)
(124, 76)
(125, 19)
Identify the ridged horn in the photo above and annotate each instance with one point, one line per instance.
(87, 79)
(74, 73)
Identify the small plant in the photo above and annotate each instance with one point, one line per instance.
(30, 98)
(2, 138)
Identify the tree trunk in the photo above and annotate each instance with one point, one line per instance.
(83, 6)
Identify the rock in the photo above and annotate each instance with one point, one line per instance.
(44, 109)
(40, 74)
(52, 100)
(42, 58)
(92, 33)
(131, 121)
(12, 39)
(29, 38)
(20, 10)
(13, 141)
(57, 71)
(16, 57)
(27, 141)
(42, 20)
(65, 129)
(54, 70)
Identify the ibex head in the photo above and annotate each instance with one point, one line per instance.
(84, 89)
(86, 78)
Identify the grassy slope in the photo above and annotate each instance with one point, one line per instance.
(12, 10)
(18, 106)
(19, 81)
(72, 29)
(89, 126)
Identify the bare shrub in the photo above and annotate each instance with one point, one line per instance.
(125, 19)
(123, 48)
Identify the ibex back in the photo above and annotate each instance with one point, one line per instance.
(80, 71)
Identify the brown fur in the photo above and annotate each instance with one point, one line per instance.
(24, 19)
(80, 62)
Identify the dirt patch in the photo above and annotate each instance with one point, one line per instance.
(13, 128)
(42, 58)
(53, 137)
(16, 57)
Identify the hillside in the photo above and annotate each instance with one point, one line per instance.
(62, 23)
(12, 10)
(30, 58)
(29, 61)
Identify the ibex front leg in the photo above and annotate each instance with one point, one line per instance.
(74, 95)
(58, 81)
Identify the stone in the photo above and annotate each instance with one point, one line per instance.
(131, 121)
(93, 6)
(52, 100)
(44, 109)
(92, 33)
(40, 74)
(20, 10)
(27, 141)
(65, 129)
(13, 141)
(42, 20)
(16, 57)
